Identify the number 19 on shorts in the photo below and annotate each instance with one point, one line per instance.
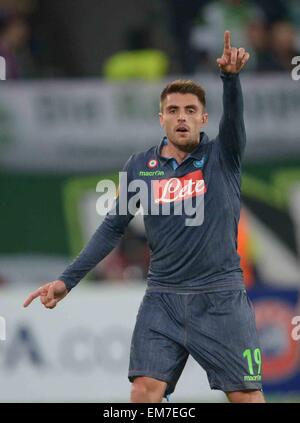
(254, 362)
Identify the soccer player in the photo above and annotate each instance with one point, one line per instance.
(195, 302)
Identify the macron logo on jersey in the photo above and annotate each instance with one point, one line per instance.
(179, 189)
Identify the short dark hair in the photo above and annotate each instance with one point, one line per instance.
(183, 86)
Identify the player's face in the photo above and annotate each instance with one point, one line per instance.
(182, 118)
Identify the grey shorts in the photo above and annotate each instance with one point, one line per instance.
(218, 330)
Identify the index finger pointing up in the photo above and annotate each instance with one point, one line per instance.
(227, 45)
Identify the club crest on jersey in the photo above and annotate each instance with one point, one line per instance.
(179, 189)
(199, 163)
(152, 164)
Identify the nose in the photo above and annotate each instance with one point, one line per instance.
(181, 116)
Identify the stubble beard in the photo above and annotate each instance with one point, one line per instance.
(186, 146)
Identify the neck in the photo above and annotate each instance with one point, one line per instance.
(171, 150)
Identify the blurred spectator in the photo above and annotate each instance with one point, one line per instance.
(272, 47)
(258, 38)
(198, 26)
(217, 16)
(283, 45)
(138, 60)
(182, 15)
(273, 10)
(14, 35)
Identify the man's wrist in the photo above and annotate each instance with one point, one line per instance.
(229, 75)
(67, 284)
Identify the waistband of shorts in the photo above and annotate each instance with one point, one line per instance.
(206, 288)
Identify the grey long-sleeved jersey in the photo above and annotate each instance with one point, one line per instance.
(184, 258)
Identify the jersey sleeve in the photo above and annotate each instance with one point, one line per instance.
(232, 135)
(103, 240)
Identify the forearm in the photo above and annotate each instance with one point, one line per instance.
(103, 241)
(100, 245)
(232, 129)
(233, 105)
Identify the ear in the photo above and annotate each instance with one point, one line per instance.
(205, 118)
(161, 119)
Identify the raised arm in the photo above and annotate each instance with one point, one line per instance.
(232, 135)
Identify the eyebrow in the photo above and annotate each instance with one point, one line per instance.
(189, 106)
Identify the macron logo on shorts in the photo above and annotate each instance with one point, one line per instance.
(179, 189)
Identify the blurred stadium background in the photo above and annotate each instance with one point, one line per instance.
(81, 95)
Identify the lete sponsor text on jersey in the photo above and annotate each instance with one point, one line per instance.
(178, 189)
